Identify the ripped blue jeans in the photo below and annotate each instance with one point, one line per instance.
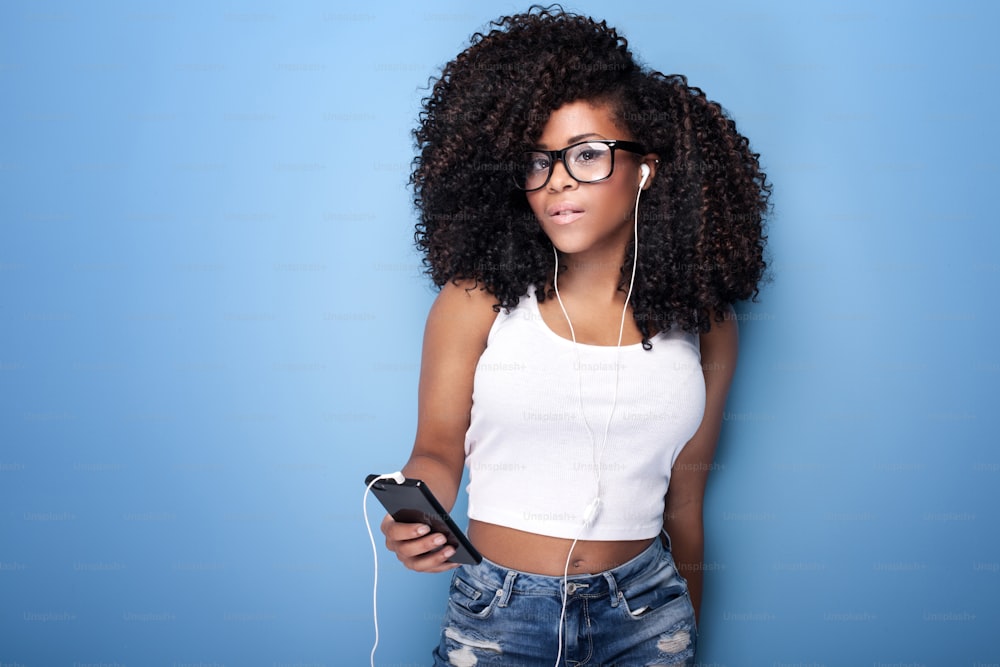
(638, 614)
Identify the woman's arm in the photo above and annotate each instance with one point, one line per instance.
(454, 338)
(682, 517)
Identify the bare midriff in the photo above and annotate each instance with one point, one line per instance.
(540, 554)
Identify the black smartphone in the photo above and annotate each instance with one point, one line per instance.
(413, 502)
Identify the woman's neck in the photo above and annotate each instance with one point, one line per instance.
(592, 277)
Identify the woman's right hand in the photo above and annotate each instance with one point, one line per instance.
(416, 546)
(457, 329)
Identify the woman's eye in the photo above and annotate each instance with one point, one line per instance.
(538, 164)
(590, 155)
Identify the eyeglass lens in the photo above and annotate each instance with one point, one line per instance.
(586, 162)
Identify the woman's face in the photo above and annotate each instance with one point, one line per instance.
(588, 217)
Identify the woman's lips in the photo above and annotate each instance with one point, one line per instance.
(565, 213)
(566, 218)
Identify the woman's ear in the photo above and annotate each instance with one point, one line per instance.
(651, 161)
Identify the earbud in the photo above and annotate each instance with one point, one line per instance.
(644, 170)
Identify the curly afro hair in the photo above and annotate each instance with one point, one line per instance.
(702, 218)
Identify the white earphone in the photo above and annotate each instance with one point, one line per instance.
(592, 510)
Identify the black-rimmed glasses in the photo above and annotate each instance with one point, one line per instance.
(586, 162)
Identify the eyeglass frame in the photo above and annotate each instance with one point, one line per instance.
(560, 156)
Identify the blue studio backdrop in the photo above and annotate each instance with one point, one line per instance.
(211, 315)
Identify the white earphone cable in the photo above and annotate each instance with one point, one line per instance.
(590, 514)
(398, 476)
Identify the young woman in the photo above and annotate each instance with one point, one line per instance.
(590, 224)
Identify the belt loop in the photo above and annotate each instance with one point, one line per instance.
(667, 537)
(612, 588)
(508, 586)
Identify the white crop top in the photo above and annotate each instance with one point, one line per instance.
(532, 465)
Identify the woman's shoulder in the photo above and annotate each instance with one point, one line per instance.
(464, 306)
(469, 293)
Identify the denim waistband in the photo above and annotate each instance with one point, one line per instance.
(603, 584)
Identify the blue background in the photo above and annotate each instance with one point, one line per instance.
(211, 314)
